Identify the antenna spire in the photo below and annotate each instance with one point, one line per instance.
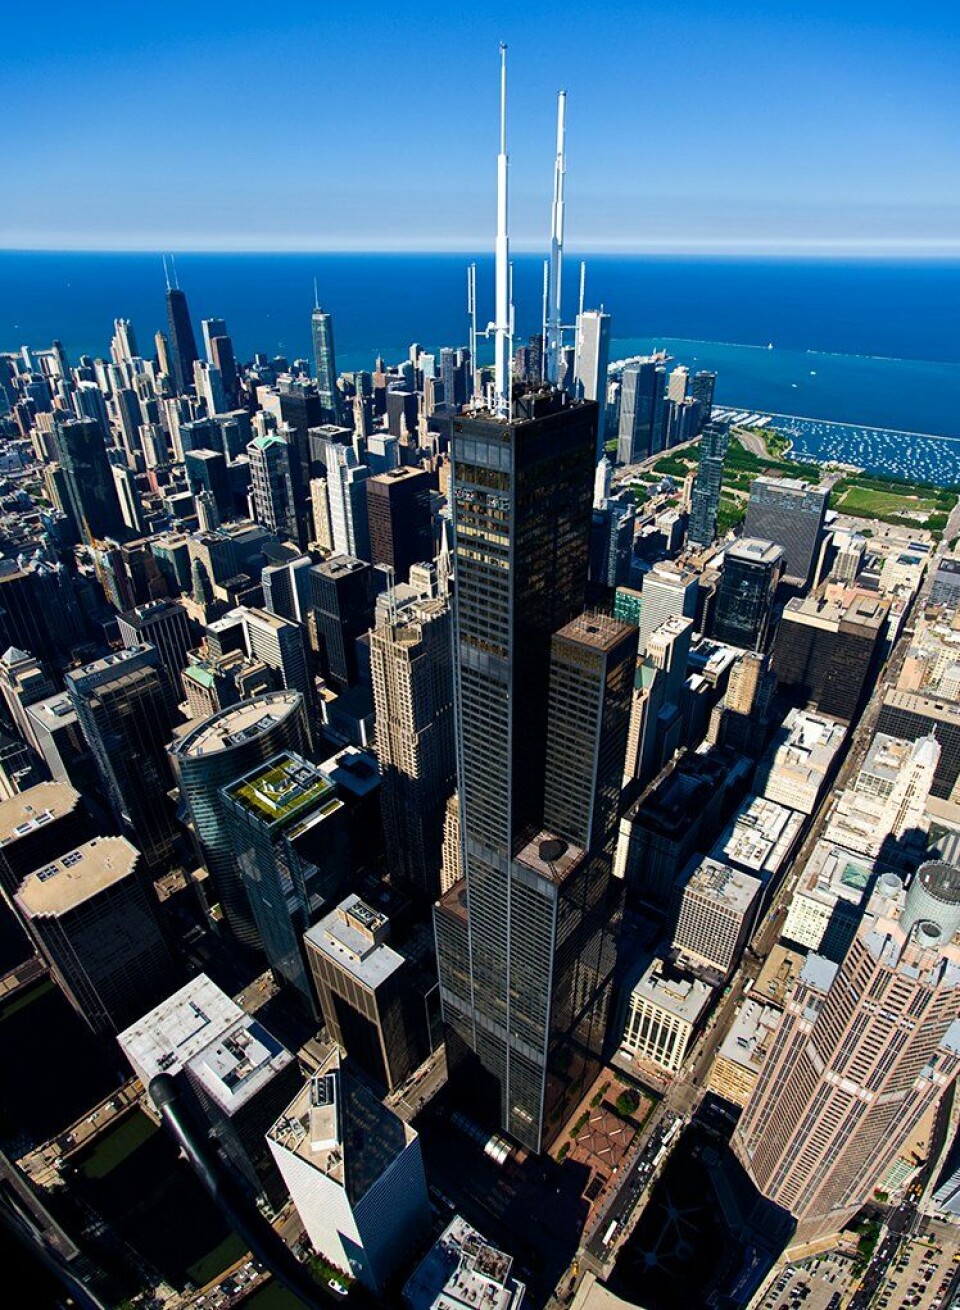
(554, 321)
(316, 297)
(504, 314)
(176, 280)
(166, 271)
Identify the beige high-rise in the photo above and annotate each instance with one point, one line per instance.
(862, 1052)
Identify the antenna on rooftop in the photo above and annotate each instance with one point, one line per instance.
(316, 296)
(166, 271)
(472, 311)
(176, 280)
(504, 310)
(554, 322)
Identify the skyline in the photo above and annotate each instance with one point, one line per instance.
(674, 112)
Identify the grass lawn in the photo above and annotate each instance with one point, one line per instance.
(868, 502)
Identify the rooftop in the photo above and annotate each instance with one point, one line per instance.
(673, 991)
(237, 1065)
(759, 837)
(78, 876)
(354, 770)
(550, 857)
(463, 1271)
(279, 790)
(831, 605)
(177, 1029)
(238, 723)
(338, 1126)
(833, 873)
(750, 1033)
(754, 550)
(53, 712)
(31, 809)
(598, 631)
(352, 936)
(730, 887)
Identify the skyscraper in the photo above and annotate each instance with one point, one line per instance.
(342, 599)
(706, 489)
(165, 625)
(123, 704)
(791, 514)
(400, 519)
(701, 389)
(641, 410)
(271, 483)
(669, 591)
(217, 751)
(183, 345)
(347, 498)
(593, 358)
(411, 667)
(751, 571)
(522, 491)
(321, 324)
(862, 1052)
(88, 478)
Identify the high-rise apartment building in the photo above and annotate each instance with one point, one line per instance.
(89, 915)
(641, 410)
(217, 751)
(702, 387)
(123, 704)
(272, 486)
(715, 913)
(862, 1053)
(347, 498)
(705, 499)
(751, 572)
(400, 519)
(790, 514)
(411, 661)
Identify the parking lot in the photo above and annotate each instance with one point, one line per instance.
(920, 1277)
(820, 1283)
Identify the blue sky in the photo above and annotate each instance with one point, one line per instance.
(691, 126)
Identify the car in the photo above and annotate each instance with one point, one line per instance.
(336, 1287)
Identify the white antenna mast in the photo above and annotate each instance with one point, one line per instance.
(579, 336)
(554, 322)
(166, 271)
(176, 280)
(472, 311)
(504, 314)
(316, 297)
(546, 312)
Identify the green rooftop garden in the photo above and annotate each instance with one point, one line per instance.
(281, 791)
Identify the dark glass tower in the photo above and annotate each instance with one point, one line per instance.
(321, 324)
(522, 493)
(751, 571)
(706, 489)
(88, 478)
(183, 345)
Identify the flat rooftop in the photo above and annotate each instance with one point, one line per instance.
(550, 857)
(354, 770)
(731, 888)
(171, 1034)
(672, 990)
(31, 809)
(78, 876)
(463, 1271)
(234, 1067)
(598, 631)
(755, 550)
(760, 837)
(54, 712)
(351, 936)
(829, 607)
(280, 790)
(237, 724)
(780, 970)
(338, 1126)
(834, 874)
(750, 1035)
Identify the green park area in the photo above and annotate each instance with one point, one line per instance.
(894, 500)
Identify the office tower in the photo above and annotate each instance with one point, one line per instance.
(320, 510)
(89, 403)
(715, 915)
(217, 751)
(681, 420)
(664, 1009)
(237, 1074)
(224, 360)
(92, 500)
(347, 497)
(166, 625)
(668, 650)
(739, 1059)
(182, 343)
(125, 486)
(212, 327)
(23, 682)
(790, 514)
(669, 591)
(321, 324)
(123, 706)
(751, 572)
(464, 1266)
(522, 490)
(371, 1007)
(593, 358)
(411, 662)
(800, 760)
(400, 519)
(705, 499)
(702, 388)
(287, 589)
(402, 410)
(37, 826)
(89, 916)
(863, 1051)
(611, 543)
(271, 484)
(825, 646)
(910, 715)
(288, 835)
(207, 473)
(123, 346)
(946, 583)
(342, 599)
(641, 410)
(279, 643)
(354, 1171)
(678, 383)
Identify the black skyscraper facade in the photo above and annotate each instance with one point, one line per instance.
(522, 493)
(183, 345)
(401, 522)
(341, 593)
(88, 477)
(751, 571)
(705, 500)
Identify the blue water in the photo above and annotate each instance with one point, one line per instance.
(885, 334)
